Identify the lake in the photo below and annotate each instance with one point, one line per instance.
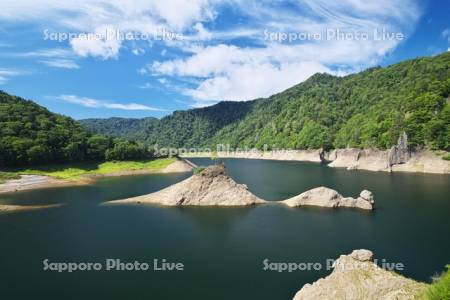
(222, 249)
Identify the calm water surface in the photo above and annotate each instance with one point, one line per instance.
(222, 248)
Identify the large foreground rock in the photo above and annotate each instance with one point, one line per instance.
(356, 277)
(326, 197)
(211, 187)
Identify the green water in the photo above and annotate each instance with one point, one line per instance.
(222, 249)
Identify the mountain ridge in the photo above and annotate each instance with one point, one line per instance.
(370, 109)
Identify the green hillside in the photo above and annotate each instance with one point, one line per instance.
(118, 127)
(190, 128)
(30, 134)
(366, 110)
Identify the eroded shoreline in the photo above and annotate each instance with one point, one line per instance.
(31, 182)
(352, 159)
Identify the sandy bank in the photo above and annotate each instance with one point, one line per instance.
(29, 182)
(356, 276)
(12, 208)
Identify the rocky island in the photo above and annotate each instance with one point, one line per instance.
(210, 187)
(356, 276)
(213, 187)
(326, 197)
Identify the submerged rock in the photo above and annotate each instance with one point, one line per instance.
(326, 197)
(211, 187)
(356, 276)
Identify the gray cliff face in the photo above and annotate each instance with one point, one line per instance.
(356, 276)
(326, 197)
(400, 153)
(399, 158)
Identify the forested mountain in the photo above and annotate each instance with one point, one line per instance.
(30, 134)
(366, 110)
(189, 128)
(118, 127)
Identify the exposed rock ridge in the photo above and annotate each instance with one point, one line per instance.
(211, 187)
(356, 276)
(326, 197)
(400, 158)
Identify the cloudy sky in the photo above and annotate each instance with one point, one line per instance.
(136, 58)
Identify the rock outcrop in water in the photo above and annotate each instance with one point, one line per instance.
(326, 197)
(356, 276)
(211, 187)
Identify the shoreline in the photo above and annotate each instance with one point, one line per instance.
(352, 159)
(6, 208)
(32, 182)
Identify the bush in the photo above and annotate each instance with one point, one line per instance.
(198, 170)
(440, 288)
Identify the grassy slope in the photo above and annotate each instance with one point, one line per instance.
(76, 170)
(439, 289)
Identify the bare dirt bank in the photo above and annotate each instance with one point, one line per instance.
(423, 161)
(29, 182)
(11, 208)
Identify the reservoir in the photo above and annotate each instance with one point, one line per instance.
(222, 249)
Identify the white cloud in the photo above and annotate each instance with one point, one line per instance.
(146, 85)
(219, 67)
(232, 72)
(94, 103)
(446, 34)
(250, 81)
(181, 13)
(61, 63)
(97, 44)
(95, 15)
(7, 74)
(42, 53)
(138, 51)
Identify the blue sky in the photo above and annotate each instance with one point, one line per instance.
(180, 54)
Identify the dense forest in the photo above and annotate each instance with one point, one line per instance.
(119, 127)
(30, 134)
(190, 128)
(365, 110)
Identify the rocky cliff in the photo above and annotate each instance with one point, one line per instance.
(356, 276)
(398, 159)
(325, 197)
